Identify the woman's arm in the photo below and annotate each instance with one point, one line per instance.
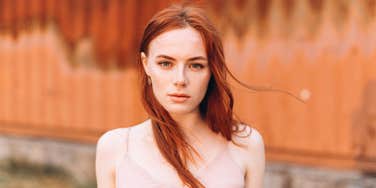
(256, 161)
(107, 153)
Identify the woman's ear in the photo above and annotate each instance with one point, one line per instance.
(144, 61)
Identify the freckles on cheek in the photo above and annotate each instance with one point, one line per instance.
(159, 80)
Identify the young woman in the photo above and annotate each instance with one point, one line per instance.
(191, 138)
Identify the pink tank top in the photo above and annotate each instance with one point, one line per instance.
(221, 172)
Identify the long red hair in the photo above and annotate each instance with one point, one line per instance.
(169, 137)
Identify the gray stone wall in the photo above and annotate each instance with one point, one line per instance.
(295, 176)
(78, 159)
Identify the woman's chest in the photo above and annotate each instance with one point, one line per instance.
(152, 170)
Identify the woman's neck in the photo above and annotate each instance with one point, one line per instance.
(188, 121)
(193, 126)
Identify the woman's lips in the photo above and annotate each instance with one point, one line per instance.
(178, 98)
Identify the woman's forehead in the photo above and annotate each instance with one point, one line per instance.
(180, 43)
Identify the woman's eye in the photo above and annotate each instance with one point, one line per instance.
(197, 66)
(164, 64)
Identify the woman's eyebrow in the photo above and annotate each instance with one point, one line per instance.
(197, 58)
(166, 57)
(190, 59)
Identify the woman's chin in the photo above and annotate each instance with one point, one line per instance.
(179, 110)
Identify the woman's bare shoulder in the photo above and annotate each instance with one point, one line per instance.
(112, 136)
(111, 142)
(115, 139)
(249, 151)
(248, 136)
(108, 152)
(248, 142)
(110, 148)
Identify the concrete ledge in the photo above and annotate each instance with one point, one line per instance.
(76, 159)
(282, 175)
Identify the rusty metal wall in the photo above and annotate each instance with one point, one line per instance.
(67, 71)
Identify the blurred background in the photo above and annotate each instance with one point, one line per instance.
(67, 75)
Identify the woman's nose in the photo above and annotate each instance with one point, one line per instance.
(180, 77)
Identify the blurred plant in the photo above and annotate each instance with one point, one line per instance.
(15, 173)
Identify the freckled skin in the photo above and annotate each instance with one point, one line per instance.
(180, 74)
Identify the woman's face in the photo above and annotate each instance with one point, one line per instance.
(178, 68)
